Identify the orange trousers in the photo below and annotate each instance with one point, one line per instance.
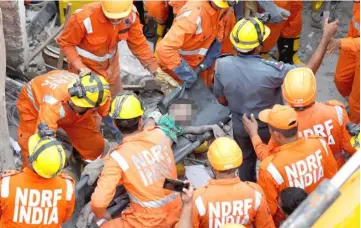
(111, 73)
(83, 134)
(287, 29)
(137, 216)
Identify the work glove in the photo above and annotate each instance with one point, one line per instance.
(84, 71)
(167, 83)
(168, 126)
(186, 74)
(212, 54)
(278, 14)
(85, 217)
(93, 170)
(218, 131)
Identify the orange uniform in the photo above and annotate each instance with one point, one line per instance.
(90, 40)
(177, 5)
(348, 66)
(44, 99)
(192, 33)
(230, 201)
(327, 120)
(141, 163)
(303, 163)
(157, 9)
(29, 201)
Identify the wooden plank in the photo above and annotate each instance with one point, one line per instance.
(6, 153)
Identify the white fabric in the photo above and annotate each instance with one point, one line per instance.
(339, 112)
(120, 160)
(155, 203)
(355, 24)
(258, 197)
(93, 57)
(275, 173)
(61, 112)
(199, 25)
(50, 100)
(88, 25)
(69, 190)
(200, 51)
(200, 206)
(5, 187)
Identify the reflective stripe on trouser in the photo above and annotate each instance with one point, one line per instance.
(155, 203)
(111, 72)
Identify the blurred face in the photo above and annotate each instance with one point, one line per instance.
(183, 114)
(115, 21)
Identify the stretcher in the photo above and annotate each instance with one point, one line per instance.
(209, 112)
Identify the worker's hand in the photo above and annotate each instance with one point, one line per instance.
(84, 71)
(217, 131)
(187, 194)
(277, 13)
(334, 45)
(250, 125)
(93, 170)
(163, 76)
(330, 29)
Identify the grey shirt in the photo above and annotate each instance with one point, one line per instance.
(250, 84)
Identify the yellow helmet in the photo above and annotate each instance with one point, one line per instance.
(224, 154)
(248, 34)
(89, 91)
(299, 87)
(116, 9)
(46, 156)
(225, 3)
(232, 225)
(126, 106)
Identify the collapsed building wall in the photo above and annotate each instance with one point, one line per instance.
(14, 32)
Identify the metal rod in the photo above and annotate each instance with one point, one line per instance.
(61, 55)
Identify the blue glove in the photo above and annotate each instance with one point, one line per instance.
(212, 54)
(186, 74)
(278, 14)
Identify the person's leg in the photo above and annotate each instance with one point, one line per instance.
(354, 100)
(345, 72)
(247, 171)
(86, 138)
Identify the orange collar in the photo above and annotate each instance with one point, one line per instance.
(224, 181)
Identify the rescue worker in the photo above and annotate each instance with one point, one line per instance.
(64, 100)
(245, 201)
(90, 41)
(40, 195)
(285, 26)
(347, 75)
(193, 42)
(297, 162)
(141, 163)
(327, 120)
(248, 84)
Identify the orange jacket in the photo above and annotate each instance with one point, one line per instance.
(157, 9)
(354, 27)
(141, 163)
(192, 33)
(30, 201)
(230, 201)
(47, 100)
(303, 163)
(352, 46)
(90, 40)
(327, 120)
